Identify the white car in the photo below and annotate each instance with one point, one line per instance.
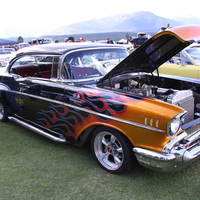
(21, 45)
(5, 55)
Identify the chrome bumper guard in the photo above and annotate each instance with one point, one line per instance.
(177, 154)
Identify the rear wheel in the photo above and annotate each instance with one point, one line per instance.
(3, 113)
(112, 150)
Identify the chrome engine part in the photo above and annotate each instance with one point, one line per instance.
(181, 98)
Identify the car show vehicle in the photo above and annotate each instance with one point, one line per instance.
(40, 41)
(185, 63)
(21, 45)
(89, 92)
(5, 55)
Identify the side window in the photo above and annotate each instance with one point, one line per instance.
(91, 63)
(36, 66)
(194, 53)
(175, 59)
(25, 66)
(185, 60)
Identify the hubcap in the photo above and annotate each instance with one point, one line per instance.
(108, 150)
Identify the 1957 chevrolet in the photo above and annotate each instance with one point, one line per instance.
(97, 93)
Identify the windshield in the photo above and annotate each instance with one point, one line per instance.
(90, 63)
(195, 54)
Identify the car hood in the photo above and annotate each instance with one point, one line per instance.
(155, 51)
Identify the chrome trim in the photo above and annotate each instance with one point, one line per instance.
(92, 112)
(37, 130)
(173, 141)
(192, 154)
(145, 120)
(177, 154)
(151, 122)
(4, 87)
(180, 114)
(157, 123)
(153, 154)
(193, 137)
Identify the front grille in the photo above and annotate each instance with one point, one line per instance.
(188, 105)
(193, 129)
(185, 100)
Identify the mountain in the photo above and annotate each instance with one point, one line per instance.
(130, 22)
(112, 26)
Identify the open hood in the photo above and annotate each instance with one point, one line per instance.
(155, 51)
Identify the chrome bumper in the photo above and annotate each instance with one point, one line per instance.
(178, 153)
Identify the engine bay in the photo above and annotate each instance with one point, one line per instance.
(180, 93)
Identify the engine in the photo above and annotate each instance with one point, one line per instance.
(181, 98)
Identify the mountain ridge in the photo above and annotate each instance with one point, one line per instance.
(124, 22)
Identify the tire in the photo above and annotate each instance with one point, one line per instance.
(3, 113)
(112, 150)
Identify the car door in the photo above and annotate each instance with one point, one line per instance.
(37, 87)
(180, 65)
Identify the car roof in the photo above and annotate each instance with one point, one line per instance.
(193, 45)
(62, 48)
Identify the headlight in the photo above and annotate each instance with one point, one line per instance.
(173, 126)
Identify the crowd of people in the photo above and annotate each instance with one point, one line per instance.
(109, 41)
(70, 39)
(81, 39)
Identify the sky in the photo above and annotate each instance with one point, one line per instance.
(38, 17)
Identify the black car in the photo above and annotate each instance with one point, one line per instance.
(89, 92)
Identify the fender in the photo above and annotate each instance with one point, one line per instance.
(4, 87)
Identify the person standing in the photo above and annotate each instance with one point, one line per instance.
(109, 41)
(81, 39)
(70, 39)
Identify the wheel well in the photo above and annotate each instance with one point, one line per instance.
(85, 136)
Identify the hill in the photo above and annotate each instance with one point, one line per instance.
(117, 26)
(124, 22)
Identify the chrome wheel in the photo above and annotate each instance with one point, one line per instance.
(108, 150)
(112, 150)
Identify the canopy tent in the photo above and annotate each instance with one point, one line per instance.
(7, 42)
(122, 41)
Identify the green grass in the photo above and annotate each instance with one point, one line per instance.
(35, 168)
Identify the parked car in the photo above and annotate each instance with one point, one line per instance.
(6, 50)
(41, 41)
(90, 92)
(21, 45)
(185, 63)
(103, 41)
(5, 54)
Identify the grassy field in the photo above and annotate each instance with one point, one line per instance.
(35, 168)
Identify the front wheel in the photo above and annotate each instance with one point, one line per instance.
(3, 113)
(112, 150)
